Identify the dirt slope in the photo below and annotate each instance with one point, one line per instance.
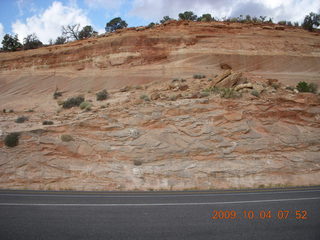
(178, 49)
(166, 129)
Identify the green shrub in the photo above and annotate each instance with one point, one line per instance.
(223, 92)
(103, 95)
(66, 138)
(207, 90)
(255, 93)
(12, 140)
(229, 93)
(145, 97)
(214, 90)
(21, 119)
(199, 76)
(73, 102)
(305, 87)
(45, 122)
(86, 106)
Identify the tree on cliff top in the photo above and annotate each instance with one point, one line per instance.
(165, 19)
(71, 31)
(205, 18)
(31, 42)
(114, 24)
(188, 15)
(310, 21)
(86, 32)
(60, 40)
(10, 43)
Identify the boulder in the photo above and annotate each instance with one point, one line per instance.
(155, 96)
(225, 66)
(222, 76)
(140, 28)
(230, 81)
(272, 81)
(183, 87)
(121, 58)
(242, 86)
(125, 89)
(258, 87)
(177, 85)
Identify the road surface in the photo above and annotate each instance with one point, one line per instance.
(292, 213)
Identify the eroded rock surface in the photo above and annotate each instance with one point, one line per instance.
(172, 144)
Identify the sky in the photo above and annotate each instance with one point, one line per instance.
(45, 18)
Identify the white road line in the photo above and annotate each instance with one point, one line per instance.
(152, 204)
(151, 195)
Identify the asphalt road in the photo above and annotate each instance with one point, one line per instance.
(292, 213)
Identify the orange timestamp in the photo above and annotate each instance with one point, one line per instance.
(263, 214)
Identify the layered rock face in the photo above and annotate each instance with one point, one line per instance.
(220, 129)
(174, 50)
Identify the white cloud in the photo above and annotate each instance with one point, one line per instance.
(1, 34)
(48, 24)
(101, 30)
(25, 6)
(293, 10)
(20, 6)
(155, 10)
(1, 30)
(107, 4)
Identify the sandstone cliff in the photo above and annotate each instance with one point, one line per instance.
(157, 133)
